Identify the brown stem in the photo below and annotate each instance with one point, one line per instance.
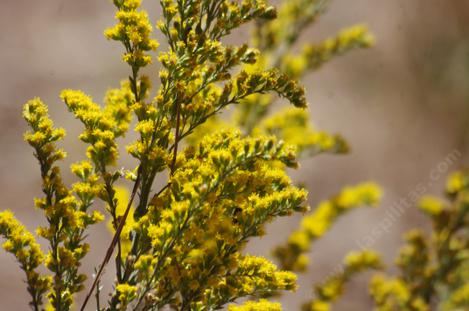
(119, 261)
(176, 138)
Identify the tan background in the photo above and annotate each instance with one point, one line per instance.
(402, 105)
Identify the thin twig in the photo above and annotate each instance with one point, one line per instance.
(119, 261)
(98, 292)
(176, 138)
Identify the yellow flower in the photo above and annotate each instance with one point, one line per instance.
(261, 305)
(456, 182)
(127, 293)
(431, 205)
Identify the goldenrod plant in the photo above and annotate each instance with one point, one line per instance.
(434, 268)
(180, 247)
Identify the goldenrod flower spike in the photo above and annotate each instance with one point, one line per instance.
(133, 30)
(293, 255)
(292, 125)
(22, 244)
(314, 56)
(68, 216)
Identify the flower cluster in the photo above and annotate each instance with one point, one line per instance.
(127, 293)
(433, 271)
(333, 287)
(67, 216)
(133, 30)
(262, 304)
(313, 56)
(186, 233)
(292, 125)
(292, 255)
(24, 247)
(102, 127)
(255, 277)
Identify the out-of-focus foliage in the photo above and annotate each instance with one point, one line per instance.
(333, 287)
(292, 256)
(434, 268)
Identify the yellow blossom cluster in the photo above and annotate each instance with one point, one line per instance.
(22, 244)
(392, 294)
(127, 293)
(101, 127)
(431, 205)
(188, 234)
(292, 125)
(89, 185)
(117, 105)
(43, 134)
(133, 30)
(262, 304)
(293, 255)
(433, 271)
(457, 182)
(254, 276)
(330, 291)
(314, 56)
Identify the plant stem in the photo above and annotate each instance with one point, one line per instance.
(176, 139)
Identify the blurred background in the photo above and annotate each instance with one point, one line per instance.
(402, 105)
